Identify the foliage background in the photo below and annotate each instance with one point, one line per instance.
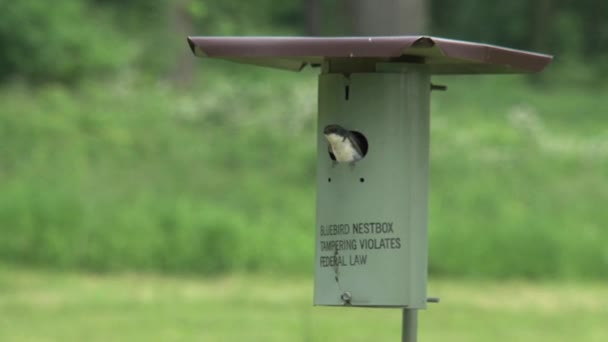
(119, 151)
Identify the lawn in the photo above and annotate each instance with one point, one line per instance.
(55, 306)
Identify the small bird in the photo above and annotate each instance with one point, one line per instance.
(344, 146)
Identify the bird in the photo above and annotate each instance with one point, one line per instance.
(344, 146)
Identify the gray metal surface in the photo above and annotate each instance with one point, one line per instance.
(443, 56)
(409, 325)
(377, 267)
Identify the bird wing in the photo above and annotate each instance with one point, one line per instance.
(354, 141)
(331, 152)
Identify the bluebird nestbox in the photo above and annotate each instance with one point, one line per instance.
(373, 151)
(372, 213)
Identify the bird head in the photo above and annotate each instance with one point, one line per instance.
(332, 132)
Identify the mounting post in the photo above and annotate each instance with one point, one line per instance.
(409, 325)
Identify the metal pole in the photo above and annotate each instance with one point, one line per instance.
(409, 325)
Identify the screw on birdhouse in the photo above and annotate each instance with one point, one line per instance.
(346, 297)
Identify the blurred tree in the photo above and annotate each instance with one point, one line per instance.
(543, 22)
(505, 23)
(313, 17)
(595, 27)
(389, 17)
(62, 40)
(183, 26)
(571, 27)
(68, 40)
(135, 13)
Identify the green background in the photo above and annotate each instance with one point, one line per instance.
(149, 195)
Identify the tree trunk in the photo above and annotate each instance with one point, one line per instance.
(389, 17)
(543, 15)
(541, 34)
(596, 43)
(183, 26)
(313, 17)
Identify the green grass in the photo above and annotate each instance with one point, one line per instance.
(52, 306)
(136, 175)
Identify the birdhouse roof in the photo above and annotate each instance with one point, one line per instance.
(443, 56)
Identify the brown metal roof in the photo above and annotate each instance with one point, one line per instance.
(444, 56)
